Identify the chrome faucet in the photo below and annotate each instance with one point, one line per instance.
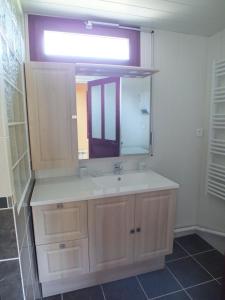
(117, 167)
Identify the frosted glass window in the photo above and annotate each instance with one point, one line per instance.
(110, 111)
(96, 111)
(85, 45)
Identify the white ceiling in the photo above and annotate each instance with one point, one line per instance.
(201, 17)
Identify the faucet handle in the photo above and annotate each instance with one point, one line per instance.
(118, 164)
(117, 167)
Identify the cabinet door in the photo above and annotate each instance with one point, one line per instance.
(57, 261)
(51, 105)
(154, 224)
(110, 221)
(60, 222)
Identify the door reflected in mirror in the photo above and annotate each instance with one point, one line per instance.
(113, 116)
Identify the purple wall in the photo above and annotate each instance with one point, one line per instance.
(37, 25)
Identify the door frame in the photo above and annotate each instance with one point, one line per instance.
(112, 147)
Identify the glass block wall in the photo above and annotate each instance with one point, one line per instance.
(13, 93)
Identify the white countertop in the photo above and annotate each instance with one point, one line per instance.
(73, 188)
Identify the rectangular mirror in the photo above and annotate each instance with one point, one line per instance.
(113, 116)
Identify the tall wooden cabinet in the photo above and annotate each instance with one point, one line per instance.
(52, 114)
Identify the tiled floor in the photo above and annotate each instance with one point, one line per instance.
(193, 271)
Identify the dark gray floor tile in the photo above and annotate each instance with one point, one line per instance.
(222, 281)
(11, 289)
(92, 293)
(3, 202)
(175, 296)
(189, 272)
(193, 243)
(125, 289)
(10, 281)
(213, 261)
(178, 252)
(158, 283)
(8, 269)
(56, 297)
(8, 246)
(207, 291)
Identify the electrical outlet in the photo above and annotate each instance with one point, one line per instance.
(199, 132)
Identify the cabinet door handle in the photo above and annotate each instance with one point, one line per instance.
(62, 246)
(138, 229)
(59, 205)
(132, 231)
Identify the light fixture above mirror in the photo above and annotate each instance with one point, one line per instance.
(113, 70)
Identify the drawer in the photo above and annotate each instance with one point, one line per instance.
(60, 222)
(62, 260)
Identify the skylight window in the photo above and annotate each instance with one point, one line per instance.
(67, 44)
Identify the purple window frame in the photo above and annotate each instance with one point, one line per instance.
(38, 24)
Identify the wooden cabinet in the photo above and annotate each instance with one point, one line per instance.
(84, 243)
(130, 229)
(62, 260)
(154, 222)
(110, 223)
(52, 114)
(60, 222)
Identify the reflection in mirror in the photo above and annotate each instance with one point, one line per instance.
(113, 116)
(135, 115)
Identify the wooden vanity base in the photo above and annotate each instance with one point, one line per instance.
(82, 281)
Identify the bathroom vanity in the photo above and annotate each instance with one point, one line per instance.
(95, 229)
(98, 229)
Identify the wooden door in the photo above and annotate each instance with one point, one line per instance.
(52, 114)
(62, 260)
(154, 224)
(104, 117)
(111, 241)
(60, 222)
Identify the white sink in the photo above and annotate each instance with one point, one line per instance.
(123, 180)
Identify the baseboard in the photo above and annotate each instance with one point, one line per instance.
(193, 229)
(213, 237)
(181, 231)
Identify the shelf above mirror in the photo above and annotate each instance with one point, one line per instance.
(113, 70)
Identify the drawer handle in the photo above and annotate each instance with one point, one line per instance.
(138, 229)
(59, 205)
(132, 231)
(62, 246)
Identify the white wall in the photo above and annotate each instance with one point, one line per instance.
(211, 209)
(178, 100)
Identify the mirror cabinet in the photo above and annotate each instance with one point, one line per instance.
(87, 111)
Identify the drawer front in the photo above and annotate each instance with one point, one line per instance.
(62, 260)
(60, 222)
